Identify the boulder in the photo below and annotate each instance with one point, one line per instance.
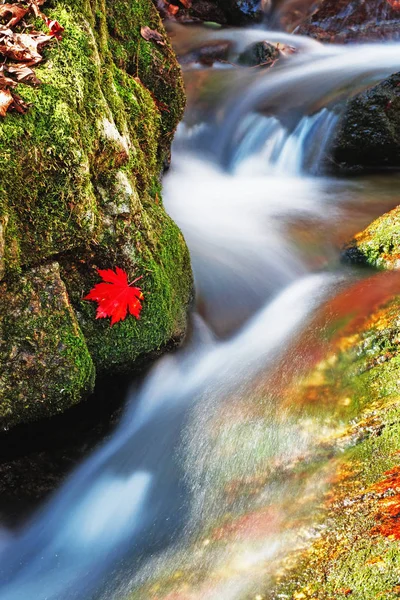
(223, 12)
(80, 186)
(368, 137)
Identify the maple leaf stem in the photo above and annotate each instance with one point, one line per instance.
(135, 280)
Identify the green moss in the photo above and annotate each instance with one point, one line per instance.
(80, 178)
(352, 555)
(55, 154)
(153, 64)
(164, 262)
(379, 244)
(45, 363)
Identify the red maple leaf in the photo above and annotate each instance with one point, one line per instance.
(116, 296)
(56, 30)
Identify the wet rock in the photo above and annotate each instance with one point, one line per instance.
(369, 136)
(223, 12)
(343, 21)
(379, 244)
(289, 14)
(259, 54)
(357, 541)
(45, 365)
(209, 54)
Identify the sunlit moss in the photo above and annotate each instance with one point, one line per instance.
(81, 173)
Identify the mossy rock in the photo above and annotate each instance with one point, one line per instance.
(335, 503)
(357, 550)
(80, 179)
(379, 244)
(45, 365)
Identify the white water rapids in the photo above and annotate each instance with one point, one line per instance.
(235, 186)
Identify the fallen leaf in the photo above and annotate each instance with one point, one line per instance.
(116, 296)
(394, 4)
(14, 12)
(22, 50)
(22, 72)
(6, 82)
(186, 3)
(18, 104)
(150, 34)
(34, 5)
(56, 29)
(6, 100)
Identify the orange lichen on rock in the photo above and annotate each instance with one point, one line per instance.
(388, 515)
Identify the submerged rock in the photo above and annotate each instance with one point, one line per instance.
(80, 184)
(259, 54)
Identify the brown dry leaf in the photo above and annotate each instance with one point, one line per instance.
(150, 34)
(186, 3)
(18, 104)
(24, 47)
(14, 12)
(6, 100)
(5, 81)
(34, 6)
(22, 72)
(19, 52)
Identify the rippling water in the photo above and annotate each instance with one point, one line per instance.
(196, 443)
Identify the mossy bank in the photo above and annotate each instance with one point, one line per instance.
(331, 495)
(80, 190)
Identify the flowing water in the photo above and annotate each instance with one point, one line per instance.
(265, 229)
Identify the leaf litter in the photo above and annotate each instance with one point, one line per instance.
(21, 50)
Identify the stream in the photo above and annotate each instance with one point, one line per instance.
(265, 228)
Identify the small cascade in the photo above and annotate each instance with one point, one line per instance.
(280, 151)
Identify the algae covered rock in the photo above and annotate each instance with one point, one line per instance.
(354, 550)
(45, 365)
(80, 178)
(379, 244)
